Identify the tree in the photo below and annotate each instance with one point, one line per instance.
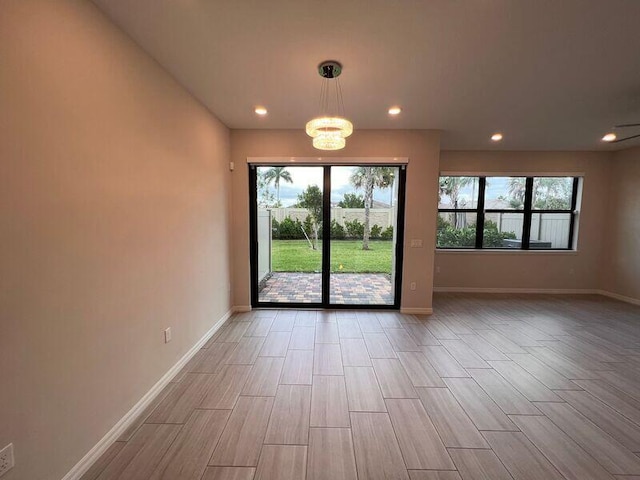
(368, 178)
(265, 197)
(552, 193)
(517, 189)
(311, 199)
(549, 193)
(450, 187)
(351, 200)
(275, 175)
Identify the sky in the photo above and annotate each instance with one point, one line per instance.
(305, 176)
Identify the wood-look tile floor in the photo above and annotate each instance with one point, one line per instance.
(489, 387)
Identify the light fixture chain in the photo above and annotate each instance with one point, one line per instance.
(340, 98)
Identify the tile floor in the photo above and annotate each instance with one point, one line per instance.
(489, 387)
(346, 288)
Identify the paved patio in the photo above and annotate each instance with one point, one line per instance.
(346, 288)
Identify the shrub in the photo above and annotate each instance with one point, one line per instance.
(290, 229)
(387, 233)
(492, 237)
(355, 229)
(375, 231)
(275, 228)
(449, 237)
(337, 231)
(442, 223)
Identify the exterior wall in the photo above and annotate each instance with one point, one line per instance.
(622, 232)
(534, 270)
(114, 224)
(420, 146)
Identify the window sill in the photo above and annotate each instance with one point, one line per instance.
(479, 251)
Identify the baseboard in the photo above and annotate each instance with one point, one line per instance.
(118, 429)
(622, 298)
(549, 291)
(416, 311)
(241, 308)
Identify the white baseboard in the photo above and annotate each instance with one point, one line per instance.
(622, 298)
(416, 311)
(118, 429)
(241, 308)
(550, 291)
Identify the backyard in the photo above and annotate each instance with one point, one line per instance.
(347, 256)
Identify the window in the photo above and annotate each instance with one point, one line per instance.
(528, 213)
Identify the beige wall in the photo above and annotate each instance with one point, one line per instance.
(422, 148)
(622, 239)
(533, 270)
(113, 225)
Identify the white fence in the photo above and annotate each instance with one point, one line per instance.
(546, 228)
(264, 243)
(383, 217)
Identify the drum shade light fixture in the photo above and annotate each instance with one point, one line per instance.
(330, 130)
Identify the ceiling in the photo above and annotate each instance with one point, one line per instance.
(549, 74)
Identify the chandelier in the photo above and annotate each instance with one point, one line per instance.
(330, 130)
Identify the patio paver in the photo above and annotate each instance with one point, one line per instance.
(346, 288)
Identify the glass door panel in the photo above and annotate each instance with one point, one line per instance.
(364, 213)
(289, 207)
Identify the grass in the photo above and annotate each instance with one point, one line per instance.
(347, 256)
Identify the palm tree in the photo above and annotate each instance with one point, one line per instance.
(275, 174)
(450, 187)
(552, 193)
(368, 178)
(517, 189)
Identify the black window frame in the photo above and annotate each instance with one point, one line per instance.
(528, 211)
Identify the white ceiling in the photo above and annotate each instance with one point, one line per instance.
(550, 74)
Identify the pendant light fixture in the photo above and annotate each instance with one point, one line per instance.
(330, 130)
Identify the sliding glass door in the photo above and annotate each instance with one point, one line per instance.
(326, 236)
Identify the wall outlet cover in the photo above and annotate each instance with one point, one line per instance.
(6, 459)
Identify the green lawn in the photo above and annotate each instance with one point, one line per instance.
(296, 256)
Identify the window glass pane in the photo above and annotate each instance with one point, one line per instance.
(363, 276)
(550, 230)
(456, 230)
(503, 230)
(505, 193)
(458, 192)
(552, 193)
(289, 232)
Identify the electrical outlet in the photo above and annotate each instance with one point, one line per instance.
(412, 285)
(437, 268)
(167, 335)
(6, 459)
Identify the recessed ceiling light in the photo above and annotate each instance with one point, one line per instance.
(261, 110)
(609, 137)
(395, 110)
(496, 137)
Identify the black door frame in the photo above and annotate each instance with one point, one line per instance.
(326, 242)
